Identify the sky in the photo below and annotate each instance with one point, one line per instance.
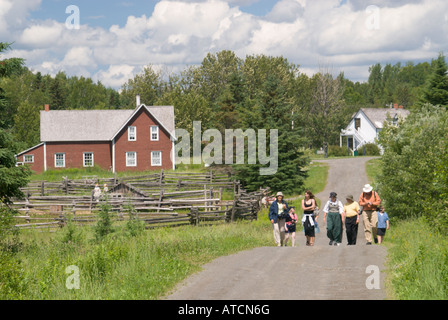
(112, 41)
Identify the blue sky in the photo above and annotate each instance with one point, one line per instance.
(107, 13)
(118, 38)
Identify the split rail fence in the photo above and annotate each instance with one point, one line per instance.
(160, 200)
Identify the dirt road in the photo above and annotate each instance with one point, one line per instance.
(299, 273)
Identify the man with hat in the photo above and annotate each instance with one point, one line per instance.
(277, 214)
(335, 223)
(370, 201)
(351, 209)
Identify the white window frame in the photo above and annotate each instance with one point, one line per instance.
(128, 159)
(153, 164)
(56, 160)
(28, 155)
(156, 132)
(132, 136)
(84, 159)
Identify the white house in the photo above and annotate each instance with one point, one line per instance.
(367, 123)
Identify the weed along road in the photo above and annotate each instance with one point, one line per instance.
(303, 272)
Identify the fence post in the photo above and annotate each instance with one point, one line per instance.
(160, 200)
(194, 216)
(42, 189)
(27, 210)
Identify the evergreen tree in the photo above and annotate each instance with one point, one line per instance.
(273, 111)
(11, 177)
(436, 90)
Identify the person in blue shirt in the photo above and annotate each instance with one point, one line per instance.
(383, 224)
(277, 214)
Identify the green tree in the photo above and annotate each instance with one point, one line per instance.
(8, 68)
(436, 89)
(327, 113)
(12, 178)
(148, 84)
(410, 185)
(273, 111)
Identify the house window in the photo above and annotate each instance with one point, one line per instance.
(29, 158)
(59, 160)
(156, 158)
(154, 133)
(132, 133)
(88, 159)
(357, 123)
(131, 159)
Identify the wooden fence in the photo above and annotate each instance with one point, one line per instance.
(147, 184)
(156, 207)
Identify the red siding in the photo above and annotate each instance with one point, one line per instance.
(38, 153)
(74, 153)
(103, 150)
(143, 146)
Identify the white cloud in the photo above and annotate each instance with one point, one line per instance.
(183, 32)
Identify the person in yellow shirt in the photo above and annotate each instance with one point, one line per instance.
(351, 209)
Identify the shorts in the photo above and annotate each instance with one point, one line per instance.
(381, 231)
(290, 228)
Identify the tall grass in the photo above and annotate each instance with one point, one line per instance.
(417, 261)
(121, 266)
(127, 263)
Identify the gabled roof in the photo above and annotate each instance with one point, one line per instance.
(96, 125)
(377, 116)
(27, 150)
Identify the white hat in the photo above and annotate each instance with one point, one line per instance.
(367, 188)
(279, 194)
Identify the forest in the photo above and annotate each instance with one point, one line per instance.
(223, 92)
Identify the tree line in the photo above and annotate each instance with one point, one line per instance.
(223, 92)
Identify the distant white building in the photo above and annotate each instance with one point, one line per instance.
(367, 123)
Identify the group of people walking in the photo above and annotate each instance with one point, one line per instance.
(337, 216)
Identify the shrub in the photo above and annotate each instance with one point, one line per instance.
(414, 176)
(103, 226)
(337, 151)
(369, 149)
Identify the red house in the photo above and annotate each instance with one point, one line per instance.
(116, 140)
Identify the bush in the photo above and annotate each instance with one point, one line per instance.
(337, 151)
(369, 149)
(103, 226)
(413, 181)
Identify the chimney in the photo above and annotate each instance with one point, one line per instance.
(47, 107)
(400, 107)
(396, 106)
(138, 100)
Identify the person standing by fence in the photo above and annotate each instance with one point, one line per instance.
(277, 214)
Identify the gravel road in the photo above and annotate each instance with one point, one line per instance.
(300, 273)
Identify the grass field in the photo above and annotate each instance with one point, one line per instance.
(128, 263)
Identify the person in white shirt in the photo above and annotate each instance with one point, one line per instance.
(335, 224)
